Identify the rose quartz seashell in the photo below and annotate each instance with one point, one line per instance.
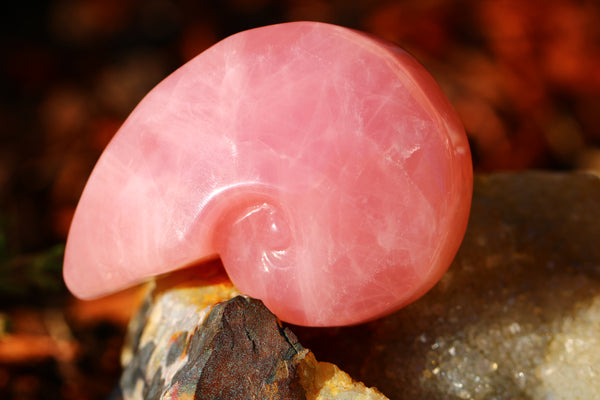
(324, 166)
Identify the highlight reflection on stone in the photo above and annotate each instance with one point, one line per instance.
(325, 167)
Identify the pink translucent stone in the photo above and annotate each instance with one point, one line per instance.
(325, 167)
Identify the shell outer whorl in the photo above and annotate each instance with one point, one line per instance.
(326, 169)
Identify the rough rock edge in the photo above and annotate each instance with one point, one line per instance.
(198, 339)
(323, 381)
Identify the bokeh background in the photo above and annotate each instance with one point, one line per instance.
(524, 77)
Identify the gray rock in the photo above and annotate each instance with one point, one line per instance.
(196, 338)
(517, 316)
(238, 351)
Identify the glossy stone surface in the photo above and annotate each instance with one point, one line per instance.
(325, 167)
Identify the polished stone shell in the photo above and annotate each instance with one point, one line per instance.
(324, 166)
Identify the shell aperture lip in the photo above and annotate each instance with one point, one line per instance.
(324, 166)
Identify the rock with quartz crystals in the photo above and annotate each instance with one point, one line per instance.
(517, 316)
(324, 166)
(193, 339)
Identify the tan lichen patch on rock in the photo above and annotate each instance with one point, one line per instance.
(324, 381)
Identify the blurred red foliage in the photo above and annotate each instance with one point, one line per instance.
(523, 75)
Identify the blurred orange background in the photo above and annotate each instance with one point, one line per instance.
(524, 77)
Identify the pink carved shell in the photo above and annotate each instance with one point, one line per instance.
(325, 167)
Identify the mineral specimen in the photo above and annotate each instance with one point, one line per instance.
(516, 317)
(200, 342)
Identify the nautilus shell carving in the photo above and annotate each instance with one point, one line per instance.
(325, 167)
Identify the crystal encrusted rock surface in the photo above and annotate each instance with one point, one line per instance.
(517, 316)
